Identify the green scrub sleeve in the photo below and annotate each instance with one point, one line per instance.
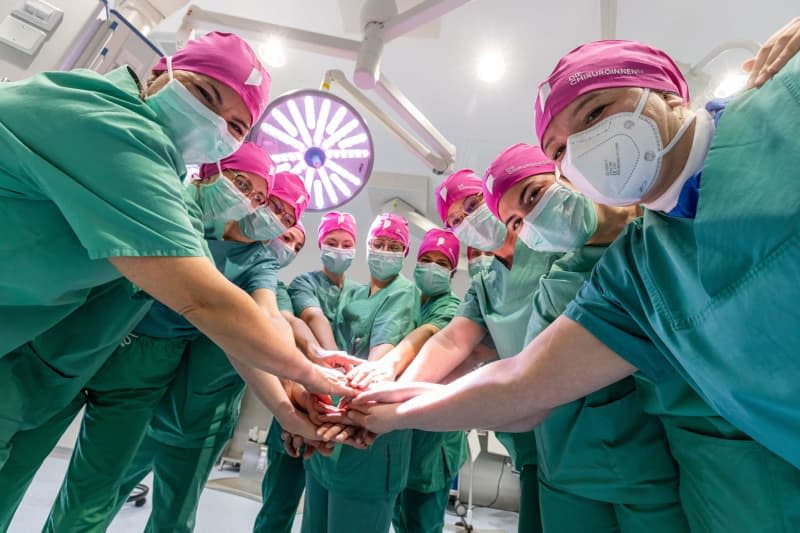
(597, 309)
(110, 167)
(284, 300)
(471, 308)
(440, 311)
(303, 292)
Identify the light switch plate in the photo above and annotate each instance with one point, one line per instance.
(39, 13)
(20, 35)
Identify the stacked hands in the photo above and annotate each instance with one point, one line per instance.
(368, 399)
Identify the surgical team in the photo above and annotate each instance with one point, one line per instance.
(630, 328)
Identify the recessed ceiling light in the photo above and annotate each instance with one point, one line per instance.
(732, 83)
(491, 67)
(272, 53)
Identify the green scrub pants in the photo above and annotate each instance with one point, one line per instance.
(734, 485)
(530, 519)
(420, 512)
(567, 513)
(120, 402)
(335, 512)
(179, 476)
(281, 491)
(29, 450)
(40, 378)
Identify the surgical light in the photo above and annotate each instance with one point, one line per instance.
(322, 139)
(491, 67)
(272, 52)
(732, 83)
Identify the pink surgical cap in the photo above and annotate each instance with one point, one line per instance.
(513, 165)
(389, 226)
(334, 220)
(441, 240)
(227, 58)
(456, 186)
(250, 157)
(602, 65)
(290, 188)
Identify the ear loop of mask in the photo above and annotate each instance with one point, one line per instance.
(169, 68)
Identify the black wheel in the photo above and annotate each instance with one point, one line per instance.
(461, 509)
(140, 502)
(138, 495)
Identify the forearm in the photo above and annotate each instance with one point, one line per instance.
(407, 349)
(480, 355)
(377, 352)
(268, 389)
(322, 331)
(303, 337)
(437, 359)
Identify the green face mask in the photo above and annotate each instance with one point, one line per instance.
(221, 201)
(384, 265)
(282, 252)
(562, 221)
(432, 279)
(479, 264)
(262, 225)
(481, 230)
(337, 260)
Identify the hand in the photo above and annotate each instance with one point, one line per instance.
(293, 444)
(323, 380)
(314, 405)
(373, 371)
(392, 392)
(377, 418)
(354, 436)
(299, 424)
(336, 359)
(774, 54)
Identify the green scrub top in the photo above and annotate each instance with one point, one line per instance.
(715, 297)
(501, 300)
(436, 457)
(203, 400)
(366, 321)
(602, 446)
(87, 173)
(283, 298)
(249, 266)
(314, 289)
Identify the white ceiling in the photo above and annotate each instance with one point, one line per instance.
(438, 73)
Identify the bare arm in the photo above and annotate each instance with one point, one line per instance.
(193, 287)
(480, 355)
(445, 351)
(320, 327)
(562, 364)
(377, 352)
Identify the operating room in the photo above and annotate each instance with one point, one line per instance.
(415, 266)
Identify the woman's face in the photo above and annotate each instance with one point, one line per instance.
(251, 185)
(521, 198)
(385, 244)
(472, 253)
(434, 256)
(459, 210)
(283, 210)
(339, 238)
(293, 238)
(667, 110)
(215, 95)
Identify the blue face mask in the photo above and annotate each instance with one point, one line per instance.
(384, 265)
(201, 135)
(282, 252)
(221, 201)
(432, 279)
(479, 264)
(337, 260)
(481, 230)
(261, 225)
(562, 221)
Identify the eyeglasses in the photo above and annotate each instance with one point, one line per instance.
(244, 184)
(387, 245)
(286, 217)
(470, 205)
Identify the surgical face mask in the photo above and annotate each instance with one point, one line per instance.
(384, 265)
(200, 134)
(481, 230)
(617, 161)
(432, 279)
(261, 225)
(337, 260)
(222, 201)
(479, 264)
(562, 220)
(282, 252)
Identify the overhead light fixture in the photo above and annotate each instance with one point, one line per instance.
(732, 83)
(272, 52)
(322, 139)
(491, 67)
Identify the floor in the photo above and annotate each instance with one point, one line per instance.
(218, 512)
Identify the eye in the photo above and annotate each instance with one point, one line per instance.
(259, 199)
(236, 128)
(288, 220)
(443, 264)
(557, 152)
(456, 221)
(515, 224)
(204, 93)
(594, 113)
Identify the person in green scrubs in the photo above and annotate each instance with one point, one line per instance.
(355, 490)
(198, 415)
(700, 285)
(436, 458)
(61, 209)
(478, 260)
(314, 297)
(604, 465)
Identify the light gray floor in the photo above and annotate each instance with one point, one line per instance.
(218, 512)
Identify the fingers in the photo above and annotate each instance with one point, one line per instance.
(758, 63)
